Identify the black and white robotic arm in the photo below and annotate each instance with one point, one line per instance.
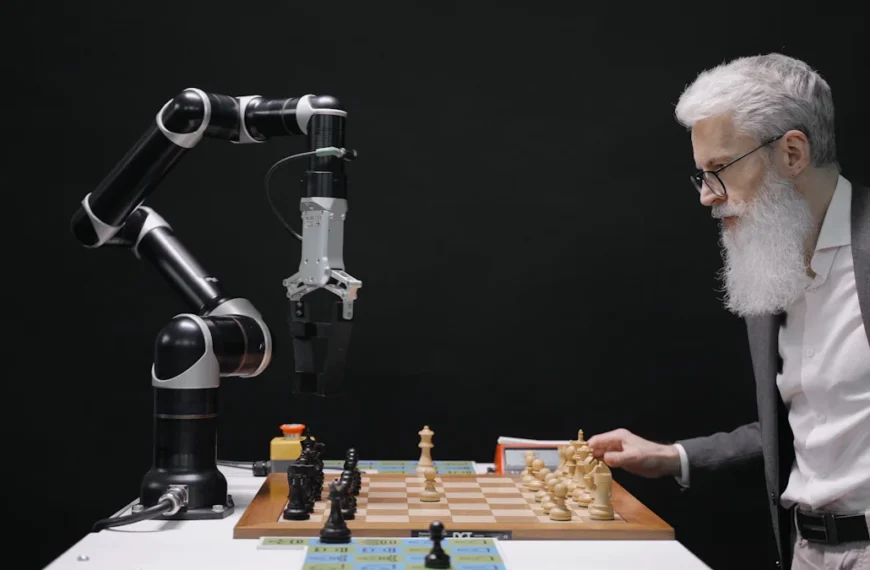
(226, 336)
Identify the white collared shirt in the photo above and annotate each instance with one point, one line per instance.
(825, 379)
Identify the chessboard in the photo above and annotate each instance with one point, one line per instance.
(500, 506)
(392, 553)
(406, 467)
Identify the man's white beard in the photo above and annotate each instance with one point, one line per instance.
(765, 252)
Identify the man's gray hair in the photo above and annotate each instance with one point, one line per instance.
(766, 96)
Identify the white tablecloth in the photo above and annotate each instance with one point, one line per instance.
(209, 544)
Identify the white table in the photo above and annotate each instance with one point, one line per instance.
(183, 545)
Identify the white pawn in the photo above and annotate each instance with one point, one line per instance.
(551, 489)
(527, 472)
(429, 494)
(533, 481)
(542, 493)
(560, 512)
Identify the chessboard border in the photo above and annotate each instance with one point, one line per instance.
(262, 518)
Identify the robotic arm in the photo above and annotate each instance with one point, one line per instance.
(226, 336)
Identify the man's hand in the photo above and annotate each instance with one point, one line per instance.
(621, 448)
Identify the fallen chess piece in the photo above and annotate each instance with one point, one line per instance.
(437, 558)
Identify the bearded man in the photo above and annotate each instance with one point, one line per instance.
(795, 235)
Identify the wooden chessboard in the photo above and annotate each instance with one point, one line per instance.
(482, 505)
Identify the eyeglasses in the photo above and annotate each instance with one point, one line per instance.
(711, 177)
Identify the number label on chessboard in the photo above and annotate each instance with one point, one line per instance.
(498, 534)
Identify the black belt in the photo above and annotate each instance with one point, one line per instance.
(832, 529)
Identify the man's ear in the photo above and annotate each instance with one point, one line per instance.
(796, 147)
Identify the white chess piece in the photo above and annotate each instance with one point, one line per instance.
(560, 512)
(601, 508)
(429, 494)
(545, 475)
(549, 500)
(580, 496)
(526, 475)
(425, 446)
(535, 481)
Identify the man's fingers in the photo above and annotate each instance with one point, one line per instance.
(615, 458)
(603, 442)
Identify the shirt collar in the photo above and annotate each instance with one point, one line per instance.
(836, 228)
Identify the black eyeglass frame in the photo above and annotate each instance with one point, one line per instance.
(698, 178)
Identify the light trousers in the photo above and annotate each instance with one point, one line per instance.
(815, 556)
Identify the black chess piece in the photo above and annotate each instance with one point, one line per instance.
(437, 558)
(348, 501)
(335, 531)
(312, 493)
(351, 463)
(306, 438)
(297, 509)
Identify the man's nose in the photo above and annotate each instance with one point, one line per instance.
(708, 198)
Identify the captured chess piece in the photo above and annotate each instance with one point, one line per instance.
(425, 446)
(437, 558)
(335, 531)
(429, 494)
(601, 508)
(560, 511)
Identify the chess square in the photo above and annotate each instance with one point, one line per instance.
(494, 490)
(387, 484)
(386, 506)
(473, 519)
(507, 501)
(429, 512)
(460, 485)
(464, 495)
(474, 507)
(387, 518)
(387, 495)
(511, 512)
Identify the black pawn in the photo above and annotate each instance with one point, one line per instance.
(437, 558)
(348, 501)
(335, 531)
(297, 509)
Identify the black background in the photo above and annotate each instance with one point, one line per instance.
(533, 257)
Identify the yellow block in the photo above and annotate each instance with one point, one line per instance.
(289, 446)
